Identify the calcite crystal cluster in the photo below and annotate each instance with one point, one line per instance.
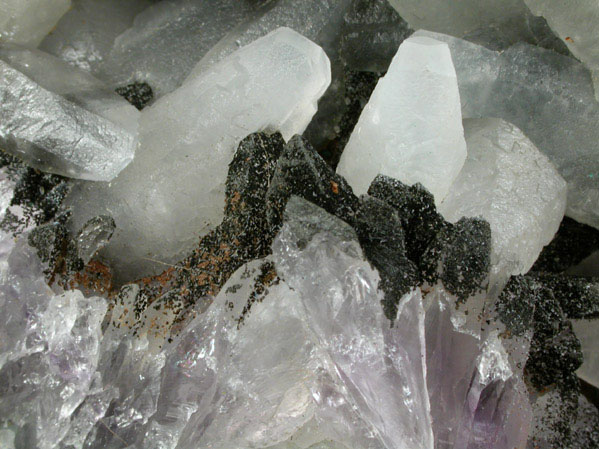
(282, 224)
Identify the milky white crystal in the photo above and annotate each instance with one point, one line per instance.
(587, 331)
(27, 22)
(85, 35)
(63, 120)
(411, 129)
(316, 20)
(173, 191)
(576, 23)
(513, 186)
(169, 38)
(549, 97)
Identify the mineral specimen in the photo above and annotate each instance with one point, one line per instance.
(411, 128)
(271, 84)
(536, 89)
(62, 120)
(587, 332)
(27, 22)
(513, 186)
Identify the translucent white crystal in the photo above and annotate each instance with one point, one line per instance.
(85, 35)
(169, 38)
(587, 331)
(61, 119)
(513, 186)
(549, 97)
(27, 22)
(173, 191)
(411, 129)
(316, 20)
(576, 24)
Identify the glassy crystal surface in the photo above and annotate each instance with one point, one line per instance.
(411, 128)
(549, 97)
(173, 192)
(587, 332)
(27, 22)
(63, 120)
(513, 186)
(576, 24)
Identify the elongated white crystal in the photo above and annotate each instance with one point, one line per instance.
(27, 22)
(85, 35)
(513, 186)
(63, 120)
(173, 192)
(549, 97)
(411, 129)
(576, 23)
(316, 20)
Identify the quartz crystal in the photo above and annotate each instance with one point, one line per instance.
(587, 332)
(85, 35)
(549, 97)
(411, 129)
(169, 38)
(173, 191)
(63, 120)
(27, 22)
(513, 186)
(576, 24)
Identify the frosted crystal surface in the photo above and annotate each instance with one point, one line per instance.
(169, 38)
(173, 191)
(411, 128)
(587, 331)
(85, 35)
(509, 183)
(549, 97)
(576, 24)
(316, 20)
(63, 120)
(28, 22)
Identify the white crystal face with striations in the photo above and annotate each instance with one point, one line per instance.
(174, 190)
(411, 128)
(549, 97)
(63, 120)
(27, 22)
(507, 181)
(85, 35)
(576, 23)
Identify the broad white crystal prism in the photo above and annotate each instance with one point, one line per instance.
(27, 22)
(411, 129)
(173, 191)
(509, 183)
(63, 120)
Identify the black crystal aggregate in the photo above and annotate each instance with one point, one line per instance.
(139, 94)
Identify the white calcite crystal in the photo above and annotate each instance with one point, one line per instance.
(63, 120)
(173, 191)
(169, 38)
(85, 35)
(513, 186)
(587, 331)
(549, 97)
(27, 22)
(316, 20)
(576, 23)
(411, 129)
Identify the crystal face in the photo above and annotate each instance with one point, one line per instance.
(411, 129)
(282, 224)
